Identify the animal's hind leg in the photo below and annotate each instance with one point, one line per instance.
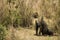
(40, 31)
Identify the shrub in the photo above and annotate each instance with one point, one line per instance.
(2, 32)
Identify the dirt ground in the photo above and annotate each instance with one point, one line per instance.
(28, 34)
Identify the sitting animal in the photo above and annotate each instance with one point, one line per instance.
(43, 28)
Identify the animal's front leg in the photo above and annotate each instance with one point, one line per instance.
(36, 30)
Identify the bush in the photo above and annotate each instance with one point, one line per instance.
(2, 32)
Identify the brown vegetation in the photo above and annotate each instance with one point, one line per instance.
(19, 13)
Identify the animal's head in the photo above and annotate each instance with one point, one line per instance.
(35, 15)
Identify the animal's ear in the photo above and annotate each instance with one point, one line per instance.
(35, 15)
(42, 18)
